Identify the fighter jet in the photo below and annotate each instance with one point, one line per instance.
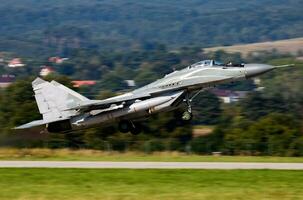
(65, 110)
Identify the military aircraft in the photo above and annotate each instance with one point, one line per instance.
(65, 110)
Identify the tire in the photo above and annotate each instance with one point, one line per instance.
(136, 129)
(187, 116)
(124, 126)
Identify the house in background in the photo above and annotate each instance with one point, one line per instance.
(6, 80)
(45, 70)
(2, 62)
(15, 62)
(78, 83)
(229, 96)
(130, 83)
(57, 60)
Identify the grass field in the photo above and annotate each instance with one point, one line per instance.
(285, 46)
(77, 184)
(93, 155)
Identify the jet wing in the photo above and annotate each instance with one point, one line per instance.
(109, 103)
(95, 106)
(116, 102)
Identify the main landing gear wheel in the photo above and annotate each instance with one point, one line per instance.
(124, 126)
(135, 129)
(128, 126)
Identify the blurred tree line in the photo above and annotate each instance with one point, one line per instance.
(267, 122)
(58, 27)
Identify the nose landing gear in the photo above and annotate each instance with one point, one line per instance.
(187, 115)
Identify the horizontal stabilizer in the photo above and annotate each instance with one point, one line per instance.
(31, 124)
(36, 123)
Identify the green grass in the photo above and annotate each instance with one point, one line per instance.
(113, 184)
(92, 155)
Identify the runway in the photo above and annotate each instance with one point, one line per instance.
(149, 165)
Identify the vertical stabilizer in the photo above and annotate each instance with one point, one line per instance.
(54, 98)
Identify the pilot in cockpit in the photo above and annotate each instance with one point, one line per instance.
(206, 63)
(202, 63)
(217, 63)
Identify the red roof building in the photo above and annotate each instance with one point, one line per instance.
(229, 96)
(45, 70)
(57, 60)
(16, 62)
(83, 83)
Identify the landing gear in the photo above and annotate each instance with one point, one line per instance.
(128, 126)
(135, 129)
(187, 115)
(124, 126)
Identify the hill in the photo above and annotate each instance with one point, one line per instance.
(292, 46)
(43, 27)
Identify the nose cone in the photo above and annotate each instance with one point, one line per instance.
(253, 70)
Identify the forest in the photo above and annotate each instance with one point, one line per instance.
(57, 26)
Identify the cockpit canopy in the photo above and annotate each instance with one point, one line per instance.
(206, 63)
(210, 63)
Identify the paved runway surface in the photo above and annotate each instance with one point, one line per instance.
(149, 165)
